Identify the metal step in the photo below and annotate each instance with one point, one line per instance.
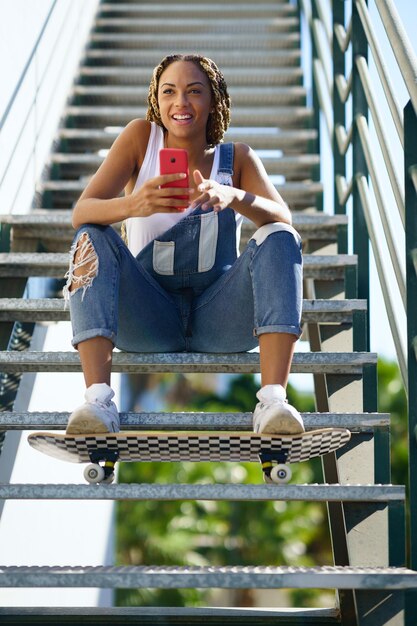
(231, 577)
(20, 264)
(164, 616)
(209, 25)
(37, 221)
(290, 141)
(100, 116)
(54, 231)
(206, 44)
(181, 11)
(54, 310)
(64, 194)
(122, 95)
(240, 58)
(67, 166)
(235, 77)
(212, 492)
(355, 422)
(190, 362)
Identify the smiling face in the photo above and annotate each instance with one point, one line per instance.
(185, 100)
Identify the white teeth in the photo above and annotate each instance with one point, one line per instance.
(182, 117)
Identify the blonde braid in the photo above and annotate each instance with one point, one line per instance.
(219, 119)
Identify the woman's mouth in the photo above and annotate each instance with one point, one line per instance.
(182, 118)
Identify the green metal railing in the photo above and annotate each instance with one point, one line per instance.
(342, 36)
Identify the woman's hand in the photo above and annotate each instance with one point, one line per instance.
(214, 195)
(152, 198)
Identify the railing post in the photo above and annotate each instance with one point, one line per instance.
(315, 101)
(339, 111)
(359, 107)
(410, 165)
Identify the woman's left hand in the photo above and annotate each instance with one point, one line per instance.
(213, 194)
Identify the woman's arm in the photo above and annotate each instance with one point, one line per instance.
(255, 196)
(100, 202)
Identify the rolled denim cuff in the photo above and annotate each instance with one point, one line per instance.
(279, 328)
(90, 334)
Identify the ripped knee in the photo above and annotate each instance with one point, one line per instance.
(83, 266)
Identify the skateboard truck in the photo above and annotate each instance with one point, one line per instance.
(274, 467)
(101, 468)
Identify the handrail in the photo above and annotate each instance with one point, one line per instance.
(27, 66)
(375, 180)
(401, 46)
(382, 70)
(40, 83)
(381, 134)
(366, 200)
(25, 141)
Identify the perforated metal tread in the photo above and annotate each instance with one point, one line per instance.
(212, 24)
(72, 166)
(164, 616)
(355, 422)
(127, 95)
(236, 76)
(56, 264)
(96, 57)
(293, 140)
(39, 218)
(54, 309)
(180, 10)
(201, 41)
(217, 577)
(248, 362)
(97, 116)
(216, 491)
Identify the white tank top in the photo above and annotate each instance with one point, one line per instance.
(141, 230)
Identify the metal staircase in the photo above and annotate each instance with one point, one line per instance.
(257, 47)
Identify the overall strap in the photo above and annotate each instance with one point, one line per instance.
(225, 171)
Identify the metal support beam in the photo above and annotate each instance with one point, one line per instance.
(359, 108)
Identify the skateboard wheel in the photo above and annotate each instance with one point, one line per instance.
(94, 473)
(281, 474)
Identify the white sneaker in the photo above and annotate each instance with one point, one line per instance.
(273, 414)
(97, 415)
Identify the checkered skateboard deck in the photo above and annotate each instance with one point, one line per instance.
(172, 446)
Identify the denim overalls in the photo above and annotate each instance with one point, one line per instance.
(187, 290)
(191, 255)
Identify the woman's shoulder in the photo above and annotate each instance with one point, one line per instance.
(242, 154)
(138, 131)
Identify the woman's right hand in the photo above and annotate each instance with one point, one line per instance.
(152, 198)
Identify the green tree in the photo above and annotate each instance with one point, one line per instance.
(218, 533)
(227, 533)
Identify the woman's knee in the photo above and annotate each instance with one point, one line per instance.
(83, 266)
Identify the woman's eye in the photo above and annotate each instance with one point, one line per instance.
(167, 91)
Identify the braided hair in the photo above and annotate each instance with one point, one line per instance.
(219, 119)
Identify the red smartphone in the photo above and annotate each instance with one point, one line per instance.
(175, 161)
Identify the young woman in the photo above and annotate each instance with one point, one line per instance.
(179, 284)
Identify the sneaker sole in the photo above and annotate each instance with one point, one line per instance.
(282, 425)
(87, 425)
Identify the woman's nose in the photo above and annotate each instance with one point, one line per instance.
(181, 99)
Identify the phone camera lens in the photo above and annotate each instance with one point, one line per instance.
(172, 159)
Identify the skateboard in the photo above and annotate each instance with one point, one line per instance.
(102, 451)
